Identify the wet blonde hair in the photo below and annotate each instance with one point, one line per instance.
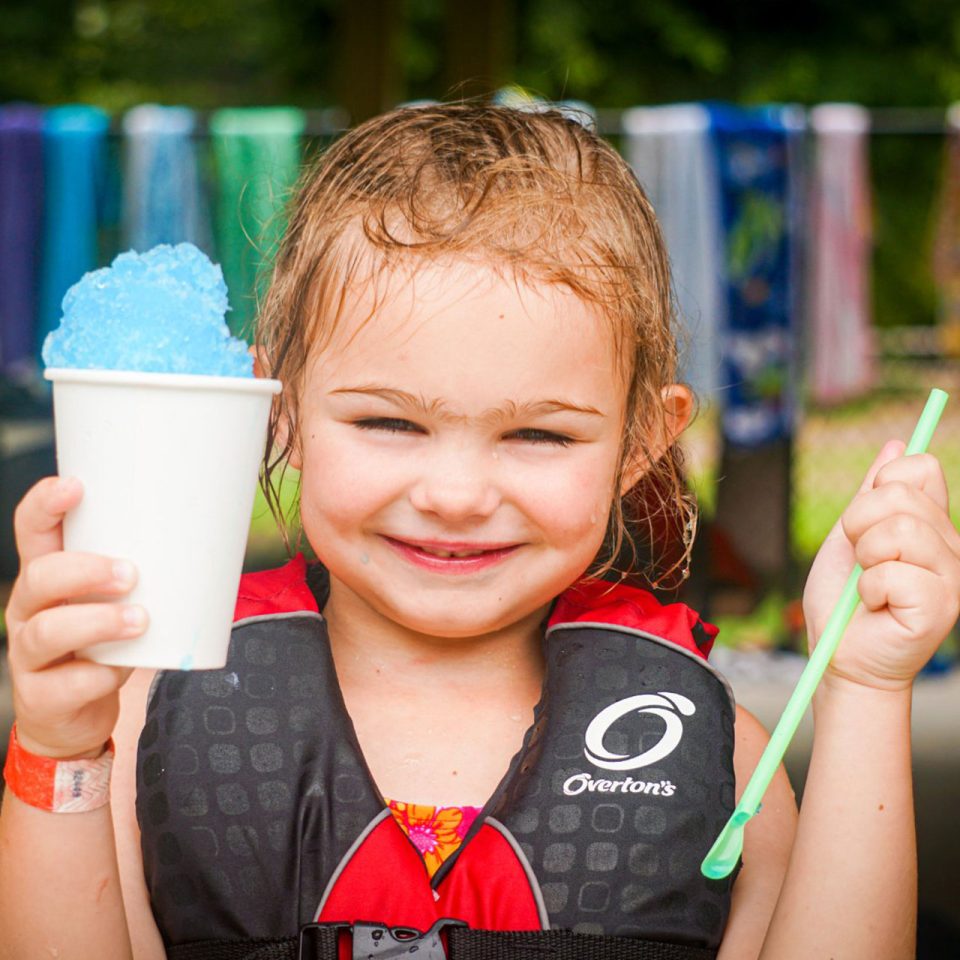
(535, 195)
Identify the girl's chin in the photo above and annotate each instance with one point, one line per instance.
(453, 628)
(452, 622)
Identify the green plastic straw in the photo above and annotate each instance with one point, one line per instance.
(725, 852)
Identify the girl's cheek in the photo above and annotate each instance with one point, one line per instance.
(576, 501)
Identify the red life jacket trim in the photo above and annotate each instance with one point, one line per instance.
(527, 869)
(598, 603)
(347, 857)
(269, 592)
(493, 887)
(588, 602)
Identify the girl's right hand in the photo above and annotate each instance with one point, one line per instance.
(65, 707)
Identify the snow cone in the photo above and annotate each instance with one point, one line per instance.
(158, 414)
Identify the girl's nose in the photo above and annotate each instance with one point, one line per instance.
(456, 485)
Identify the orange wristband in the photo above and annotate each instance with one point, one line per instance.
(59, 786)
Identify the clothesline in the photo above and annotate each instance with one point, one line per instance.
(903, 121)
(897, 121)
(323, 122)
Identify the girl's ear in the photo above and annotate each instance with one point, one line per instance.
(677, 411)
(261, 369)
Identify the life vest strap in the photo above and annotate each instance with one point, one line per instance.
(318, 941)
(468, 944)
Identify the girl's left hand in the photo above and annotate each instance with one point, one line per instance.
(898, 529)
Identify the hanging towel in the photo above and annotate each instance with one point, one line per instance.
(946, 252)
(672, 155)
(162, 197)
(74, 140)
(258, 153)
(21, 226)
(757, 157)
(519, 98)
(840, 344)
(584, 113)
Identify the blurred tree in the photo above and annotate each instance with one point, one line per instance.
(479, 46)
(368, 74)
(612, 52)
(622, 53)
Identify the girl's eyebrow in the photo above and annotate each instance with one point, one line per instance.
(437, 408)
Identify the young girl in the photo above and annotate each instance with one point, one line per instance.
(464, 713)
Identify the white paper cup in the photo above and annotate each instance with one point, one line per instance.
(169, 466)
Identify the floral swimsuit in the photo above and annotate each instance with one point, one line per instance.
(435, 831)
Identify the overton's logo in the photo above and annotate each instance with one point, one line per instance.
(667, 706)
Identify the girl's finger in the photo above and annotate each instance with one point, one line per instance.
(893, 498)
(907, 538)
(920, 470)
(53, 634)
(37, 521)
(918, 599)
(54, 578)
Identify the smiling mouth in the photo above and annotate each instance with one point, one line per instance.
(447, 553)
(463, 554)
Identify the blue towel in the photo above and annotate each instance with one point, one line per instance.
(162, 197)
(21, 221)
(75, 168)
(758, 164)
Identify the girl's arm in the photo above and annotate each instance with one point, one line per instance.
(60, 881)
(850, 886)
(59, 885)
(766, 847)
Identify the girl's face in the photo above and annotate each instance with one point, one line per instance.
(459, 449)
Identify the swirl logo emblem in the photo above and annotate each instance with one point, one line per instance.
(668, 706)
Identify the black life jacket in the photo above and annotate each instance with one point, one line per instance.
(258, 814)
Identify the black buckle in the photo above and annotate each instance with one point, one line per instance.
(376, 941)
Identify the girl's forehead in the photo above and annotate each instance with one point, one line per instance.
(446, 325)
(418, 300)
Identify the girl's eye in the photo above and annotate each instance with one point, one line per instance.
(532, 435)
(390, 424)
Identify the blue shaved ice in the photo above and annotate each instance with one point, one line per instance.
(158, 312)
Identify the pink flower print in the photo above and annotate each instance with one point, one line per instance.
(423, 837)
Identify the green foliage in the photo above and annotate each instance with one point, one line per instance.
(906, 174)
(117, 53)
(622, 53)
(611, 52)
